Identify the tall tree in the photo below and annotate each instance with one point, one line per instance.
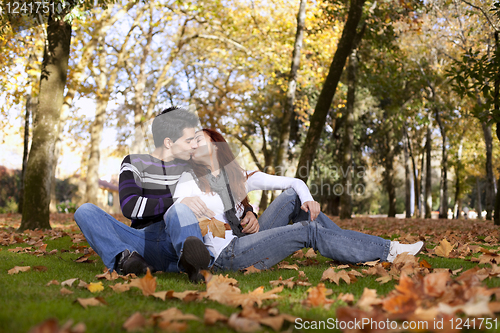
(317, 120)
(38, 174)
(39, 171)
(292, 86)
(347, 166)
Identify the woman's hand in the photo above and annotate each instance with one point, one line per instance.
(198, 207)
(313, 207)
(250, 223)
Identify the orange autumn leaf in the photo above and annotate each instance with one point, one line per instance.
(310, 254)
(120, 287)
(147, 284)
(110, 276)
(368, 299)
(317, 296)
(333, 276)
(134, 322)
(251, 270)
(92, 301)
(217, 227)
(245, 325)
(211, 316)
(435, 284)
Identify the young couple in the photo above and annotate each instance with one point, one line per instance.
(193, 175)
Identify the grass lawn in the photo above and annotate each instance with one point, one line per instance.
(27, 300)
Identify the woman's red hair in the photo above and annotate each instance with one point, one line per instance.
(226, 160)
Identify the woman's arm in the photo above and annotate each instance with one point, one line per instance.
(263, 181)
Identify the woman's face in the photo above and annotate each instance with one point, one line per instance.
(203, 147)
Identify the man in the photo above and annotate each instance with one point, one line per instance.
(157, 239)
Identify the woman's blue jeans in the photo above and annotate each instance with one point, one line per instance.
(277, 239)
(160, 243)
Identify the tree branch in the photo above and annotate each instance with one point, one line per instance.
(482, 11)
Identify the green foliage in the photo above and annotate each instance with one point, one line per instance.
(10, 185)
(66, 207)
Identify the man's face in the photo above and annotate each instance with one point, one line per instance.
(183, 147)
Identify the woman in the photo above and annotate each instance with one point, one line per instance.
(222, 184)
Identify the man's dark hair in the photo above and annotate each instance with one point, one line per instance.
(171, 122)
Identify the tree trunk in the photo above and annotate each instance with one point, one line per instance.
(416, 178)
(490, 185)
(421, 186)
(479, 206)
(103, 94)
(317, 120)
(457, 208)
(428, 174)
(263, 201)
(346, 196)
(389, 177)
(31, 103)
(408, 176)
(292, 84)
(496, 103)
(38, 175)
(443, 186)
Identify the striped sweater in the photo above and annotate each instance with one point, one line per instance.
(146, 185)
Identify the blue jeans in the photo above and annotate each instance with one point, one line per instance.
(277, 239)
(160, 243)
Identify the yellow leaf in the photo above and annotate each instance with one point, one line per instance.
(95, 287)
(443, 249)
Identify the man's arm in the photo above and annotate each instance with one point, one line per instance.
(133, 203)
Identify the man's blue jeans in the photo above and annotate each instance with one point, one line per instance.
(160, 243)
(277, 240)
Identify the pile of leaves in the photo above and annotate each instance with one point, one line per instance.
(440, 298)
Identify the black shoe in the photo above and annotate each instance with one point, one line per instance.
(133, 263)
(194, 258)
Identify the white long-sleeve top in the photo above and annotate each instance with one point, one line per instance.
(187, 187)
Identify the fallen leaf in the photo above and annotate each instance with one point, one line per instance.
(333, 276)
(95, 287)
(443, 249)
(121, 287)
(68, 282)
(298, 254)
(51, 282)
(317, 296)
(251, 270)
(147, 284)
(18, 269)
(134, 323)
(240, 324)
(92, 301)
(217, 227)
(286, 266)
(370, 263)
(368, 300)
(172, 314)
(65, 291)
(348, 298)
(310, 254)
(110, 276)
(211, 316)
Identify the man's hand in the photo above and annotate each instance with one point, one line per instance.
(313, 207)
(250, 223)
(198, 207)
